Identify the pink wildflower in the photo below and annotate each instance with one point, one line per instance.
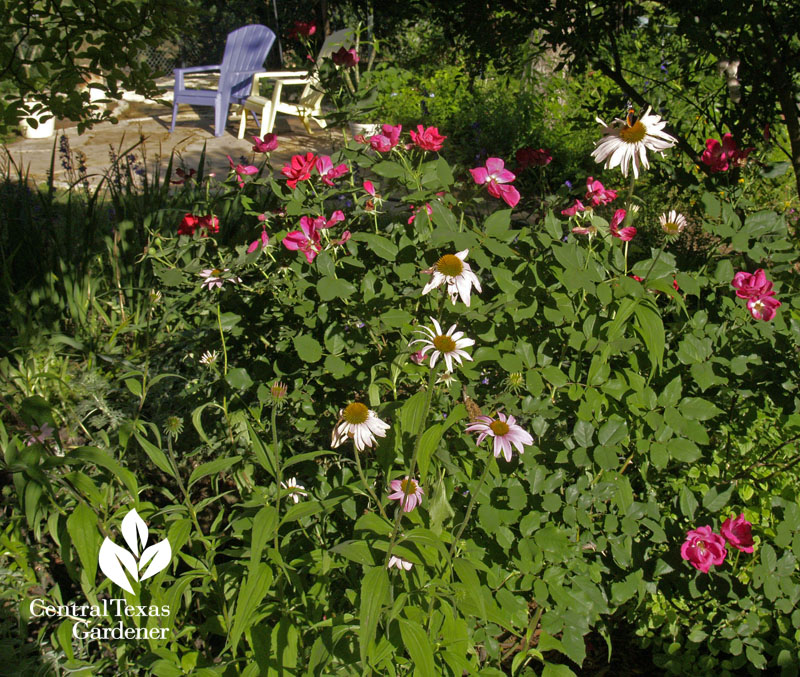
(720, 156)
(505, 432)
(413, 216)
(574, 209)
(597, 194)
(241, 171)
(624, 234)
(495, 176)
(305, 240)
(299, 169)
(261, 242)
(407, 491)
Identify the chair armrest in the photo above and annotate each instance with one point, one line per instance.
(198, 69)
(281, 74)
(180, 72)
(291, 81)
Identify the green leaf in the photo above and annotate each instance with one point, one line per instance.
(698, 409)
(155, 454)
(617, 326)
(418, 646)
(379, 244)
(713, 501)
(238, 378)
(427, 445)
(412, 413)
(687, 501)
(375, 590)
(390, 170)
(652, 330)
(211, 468)
(82, 528)
(467, 574)
(497, 225)
(613, 431)
(264, 524)
(104, 460)
(308, 348)
(330, 288)
(684, 450)
(255, 588)
(555, 376)
(556, 670)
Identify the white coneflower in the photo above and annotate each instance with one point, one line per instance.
(214, 277)
(672, 223)
(361, 424)
(399, 563)
(209, 358)
(296, 491)
(452, 269)
(449, 345)
(627, 141)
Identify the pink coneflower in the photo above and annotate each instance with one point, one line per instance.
(505, 432)
(407, 491)
(399, 563)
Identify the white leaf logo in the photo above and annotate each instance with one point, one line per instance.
(116, 561)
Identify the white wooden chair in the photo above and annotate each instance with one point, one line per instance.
(309, 105)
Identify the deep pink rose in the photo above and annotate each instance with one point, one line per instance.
(299, 169)
(242, 171)
(305, 240)
(528, 157)
(187, 225)
(574, 209)
(763, 308)
(738, 533)
(327, 171)
(496, 177)
(720, 156)
(265, 145)
(345, 57)
(428, 138)
(753, 286)
(624, 234)
(413, 216)
(597, 194)
(703, 548)
(209, 222)
(261, 242)
(183, 176)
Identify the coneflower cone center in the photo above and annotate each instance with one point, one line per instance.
(444, 344)
(633, 134)
(356, 413)
(408, 487)
(671, 227)
(499, 428)
(450, 265)
(216, 272)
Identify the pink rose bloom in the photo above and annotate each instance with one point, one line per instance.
(320, 223)
(345, 57)
(265, 145)
(369, 188)
(574, 209)
(624, 234)
(413, 216)
(763, 308)
(703, 548)
(345, 237)
(719, 156)
(407, 491)
(597, 194)
(305, 240)
(428, 138)
(327, 171)
(528, 157)
(494, 175)
(299, 169)
(209, 222)
(738, 533)
(261, 242)
(241, 171)
(753, 286)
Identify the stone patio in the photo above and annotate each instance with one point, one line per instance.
(150, 121)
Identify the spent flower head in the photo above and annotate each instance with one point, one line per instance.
(173, 426)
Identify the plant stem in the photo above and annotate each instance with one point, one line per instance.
(472, 498)
(368, 487)
(277, 461)
(181, 485)
(413, 467)
(224, 372)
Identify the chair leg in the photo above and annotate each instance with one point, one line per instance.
(174, 115)
(221, 108)
(242, 123)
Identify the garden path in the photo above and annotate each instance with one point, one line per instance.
(193, 130)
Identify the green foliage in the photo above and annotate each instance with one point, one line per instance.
(651, 410)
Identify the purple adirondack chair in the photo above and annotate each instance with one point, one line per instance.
(246, 50)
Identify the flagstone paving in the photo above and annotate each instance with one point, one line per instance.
(194, 130)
